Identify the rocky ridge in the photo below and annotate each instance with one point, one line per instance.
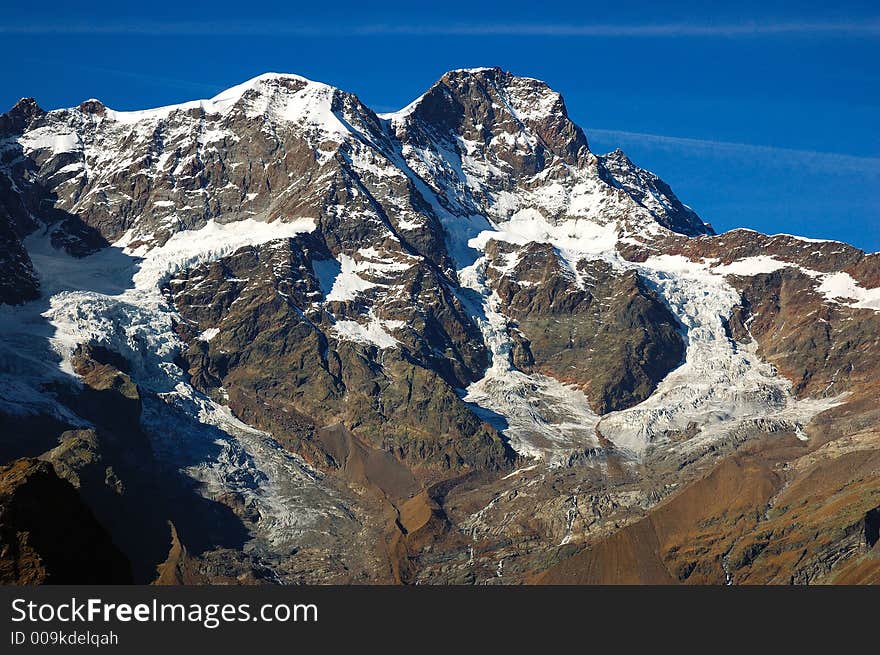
(447, 344)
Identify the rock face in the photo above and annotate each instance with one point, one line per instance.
(778, 512)
(261, 340)
(650, 191)
(600, 329)
(259, 334)
(47, 534)
(19, 283)
(276, 337)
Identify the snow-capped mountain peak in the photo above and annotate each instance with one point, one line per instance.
(436, 291)
(282, 95)
(520, 118)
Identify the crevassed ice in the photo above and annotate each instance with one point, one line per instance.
(112, 298)
(720, 385)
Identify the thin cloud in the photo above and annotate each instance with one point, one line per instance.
(786, 157)
(651, 30)
(147, 78)
(867, 27)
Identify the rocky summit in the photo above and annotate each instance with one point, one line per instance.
(276, 337)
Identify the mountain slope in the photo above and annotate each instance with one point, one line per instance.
(338, 321)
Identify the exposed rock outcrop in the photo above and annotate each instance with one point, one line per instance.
(48, 535)
(274, 336)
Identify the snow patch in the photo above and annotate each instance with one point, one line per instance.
(209, 334)
(372, 333)
(189, 248)
(48, 138)
(760, 264)
(339, 280)
(842, 285)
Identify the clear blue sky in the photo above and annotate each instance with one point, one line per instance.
(758, 115)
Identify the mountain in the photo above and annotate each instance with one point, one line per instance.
(276, 337)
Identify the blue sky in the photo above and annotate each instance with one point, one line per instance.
(758, 115)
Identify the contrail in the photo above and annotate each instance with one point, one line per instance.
(827, 161)
(867, 27)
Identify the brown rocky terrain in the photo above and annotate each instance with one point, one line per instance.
(48, 535)
(283, 370)
(612, 336)
(777, 511)
(275, 337)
